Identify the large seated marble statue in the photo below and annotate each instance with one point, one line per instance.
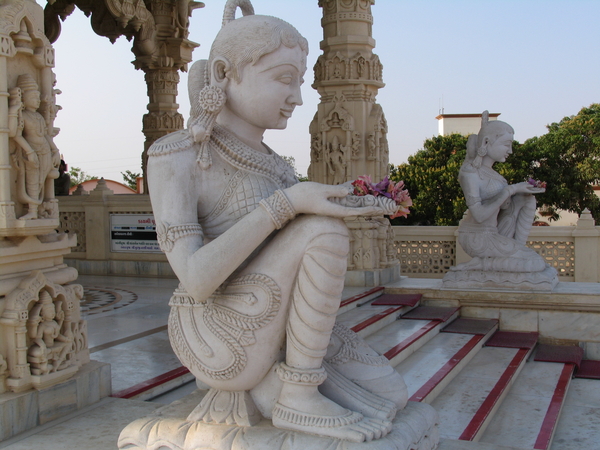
(495, 229)
(261, 258)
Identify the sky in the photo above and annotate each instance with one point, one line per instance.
(532, 61)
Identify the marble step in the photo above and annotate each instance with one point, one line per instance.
(579, 424)
(401, 338)
(530, 412)
(368, 319)
(156, 386)
(432, 367)
(470, 400)
(360, 299)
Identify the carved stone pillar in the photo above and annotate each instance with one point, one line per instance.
(349, 130)
(43, 339)
(159, 29)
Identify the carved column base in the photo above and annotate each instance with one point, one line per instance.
(478, 279)
(414, 428)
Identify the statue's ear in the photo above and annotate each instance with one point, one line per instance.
(220, 72)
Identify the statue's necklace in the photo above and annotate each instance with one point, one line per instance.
(245, 158)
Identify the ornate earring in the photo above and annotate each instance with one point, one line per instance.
(211, 101)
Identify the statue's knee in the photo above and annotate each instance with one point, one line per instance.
(322, 225)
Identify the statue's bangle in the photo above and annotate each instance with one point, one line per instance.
(279, 208)
(511, 190)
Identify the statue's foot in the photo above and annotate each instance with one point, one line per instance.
(474, 263)
(350, 395)
(352, 357)
(301, 407)
(346, 425)
(29, 216)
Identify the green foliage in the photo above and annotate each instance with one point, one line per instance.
(130, 178)
(292, 162)
(568, 159)
(431, 177)
(78, 176)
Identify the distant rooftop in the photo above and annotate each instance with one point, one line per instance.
(465, 124)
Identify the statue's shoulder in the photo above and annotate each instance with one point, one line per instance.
(171, 143)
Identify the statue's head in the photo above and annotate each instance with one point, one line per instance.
(491, 130)
(29, 90)
(493, 136)
(251, 81)
(246, 40)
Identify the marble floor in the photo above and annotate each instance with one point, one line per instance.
(127, 323)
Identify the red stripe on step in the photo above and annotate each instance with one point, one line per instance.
(488, 404)
(551, 419)
(411, 339)
(436, 379)
(357, 297)
(151, 383)
(376, 318)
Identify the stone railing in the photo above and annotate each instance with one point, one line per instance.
(424, 252)
(428, 252)
(89, 217)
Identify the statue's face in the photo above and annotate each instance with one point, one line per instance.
(48, 311)
(269, 90)
(501, 148)
(31, 99)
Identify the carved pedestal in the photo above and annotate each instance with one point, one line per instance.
(372, 260)
(414, 428)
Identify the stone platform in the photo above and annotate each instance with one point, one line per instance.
(26, 410)
(414, 428)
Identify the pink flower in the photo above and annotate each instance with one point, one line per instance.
(537, 183)
(364, 186)
(360, 188)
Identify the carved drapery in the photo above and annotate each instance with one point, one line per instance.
(159, 29)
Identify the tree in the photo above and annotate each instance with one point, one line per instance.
(292, 162)
(568, 159)
(431, 177)
(78, 176)
(130, 178)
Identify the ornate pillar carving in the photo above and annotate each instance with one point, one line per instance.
(349, 130)
(159, 29)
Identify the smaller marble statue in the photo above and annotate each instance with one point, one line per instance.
(49, 349)
(37, 158)
(495, 229)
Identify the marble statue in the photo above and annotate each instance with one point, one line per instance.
(37, 157)
(495, 229)
(261, 258)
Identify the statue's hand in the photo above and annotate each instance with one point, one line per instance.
(524, 188)
(316, 198)
(388, 205)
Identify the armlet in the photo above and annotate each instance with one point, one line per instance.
(168, 234)
(471, 200)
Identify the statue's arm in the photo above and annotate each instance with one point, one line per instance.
(200, 268)
(203, 268)
(481, 210)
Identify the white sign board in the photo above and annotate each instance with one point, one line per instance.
(133, 233)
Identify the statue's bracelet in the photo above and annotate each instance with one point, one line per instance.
(279, 208)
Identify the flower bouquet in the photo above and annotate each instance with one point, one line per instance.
(537, 183)
(386, 188)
